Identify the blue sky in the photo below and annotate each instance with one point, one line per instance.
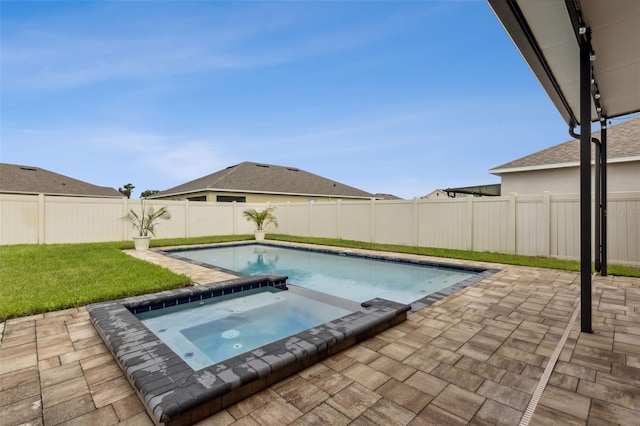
(391, 97)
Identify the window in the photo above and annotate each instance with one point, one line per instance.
(230, 199)
(198, 198)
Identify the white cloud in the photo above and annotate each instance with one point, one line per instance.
(187, 160)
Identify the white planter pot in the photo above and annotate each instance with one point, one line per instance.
(141, 243)
(259, 235)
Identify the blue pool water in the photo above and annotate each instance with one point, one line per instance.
(206, 332)
(350, 277)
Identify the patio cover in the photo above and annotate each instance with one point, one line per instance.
(545, 33)
(585, 54)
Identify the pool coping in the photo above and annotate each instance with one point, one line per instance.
(175, 394)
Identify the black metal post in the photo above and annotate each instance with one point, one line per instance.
(603, 200)
(585, 186)
(597, 207)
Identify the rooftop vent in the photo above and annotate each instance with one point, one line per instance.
(293, 169)
(31, 169)
(262, 165)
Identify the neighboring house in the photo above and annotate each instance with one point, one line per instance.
(16, 179)
(260, 183)
(556, 169)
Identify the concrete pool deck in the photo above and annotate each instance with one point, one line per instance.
(479, 356)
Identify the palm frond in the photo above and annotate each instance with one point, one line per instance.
(260, 218)
(145, 222)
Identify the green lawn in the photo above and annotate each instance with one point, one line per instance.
(43, 278)
(507, 259)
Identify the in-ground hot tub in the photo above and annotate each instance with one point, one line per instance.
(175, 392)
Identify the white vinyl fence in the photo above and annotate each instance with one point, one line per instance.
(534, 225)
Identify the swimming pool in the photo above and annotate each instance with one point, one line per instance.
(342, 274)
(175, 390)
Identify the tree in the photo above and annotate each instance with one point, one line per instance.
(128, 188)
(148, 193)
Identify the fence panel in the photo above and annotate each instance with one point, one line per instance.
(444, 224)
(208, 219)
(565, 226)
(623, 218)
(297, 216)
(530, 225)
(82, 220)
(395, 222)
(19, 219)
(356, 221)
(490, 217)
(324, 219)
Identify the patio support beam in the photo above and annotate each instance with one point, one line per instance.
(598, 206)
(585, 184)
(603, 199)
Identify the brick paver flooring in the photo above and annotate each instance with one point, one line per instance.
(476, 357)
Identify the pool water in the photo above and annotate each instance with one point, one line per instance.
(206, 332)
(350, 277)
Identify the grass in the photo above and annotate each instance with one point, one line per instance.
(42, 278)
(507, 259)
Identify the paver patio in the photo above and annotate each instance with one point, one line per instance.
(476, 357)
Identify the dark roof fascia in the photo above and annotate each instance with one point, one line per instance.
(175, 194)
(514, 22)
(476, 190)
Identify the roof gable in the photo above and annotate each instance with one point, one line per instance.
(267, 178)
(34, 180)
(623, 143)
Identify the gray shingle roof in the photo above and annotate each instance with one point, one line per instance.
(623, 141)
(34, 180)
(382, 196)
(266, 178)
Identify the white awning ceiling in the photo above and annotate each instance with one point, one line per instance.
(545, 34)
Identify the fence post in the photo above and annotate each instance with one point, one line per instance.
(187, 219)
(288, 215)
(339, 214)
(41, 219)
(416, 223)
(470, 223)
(546, 224)
(511, 231)
(372, 217)
(310, 218)
(125, 210)
(234, 212)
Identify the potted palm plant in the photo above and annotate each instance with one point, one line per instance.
(261, 219)
(145, 223)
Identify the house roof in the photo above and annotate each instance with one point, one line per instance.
(266, 179)
(623, 144)
(382, 196)
(34, 180)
